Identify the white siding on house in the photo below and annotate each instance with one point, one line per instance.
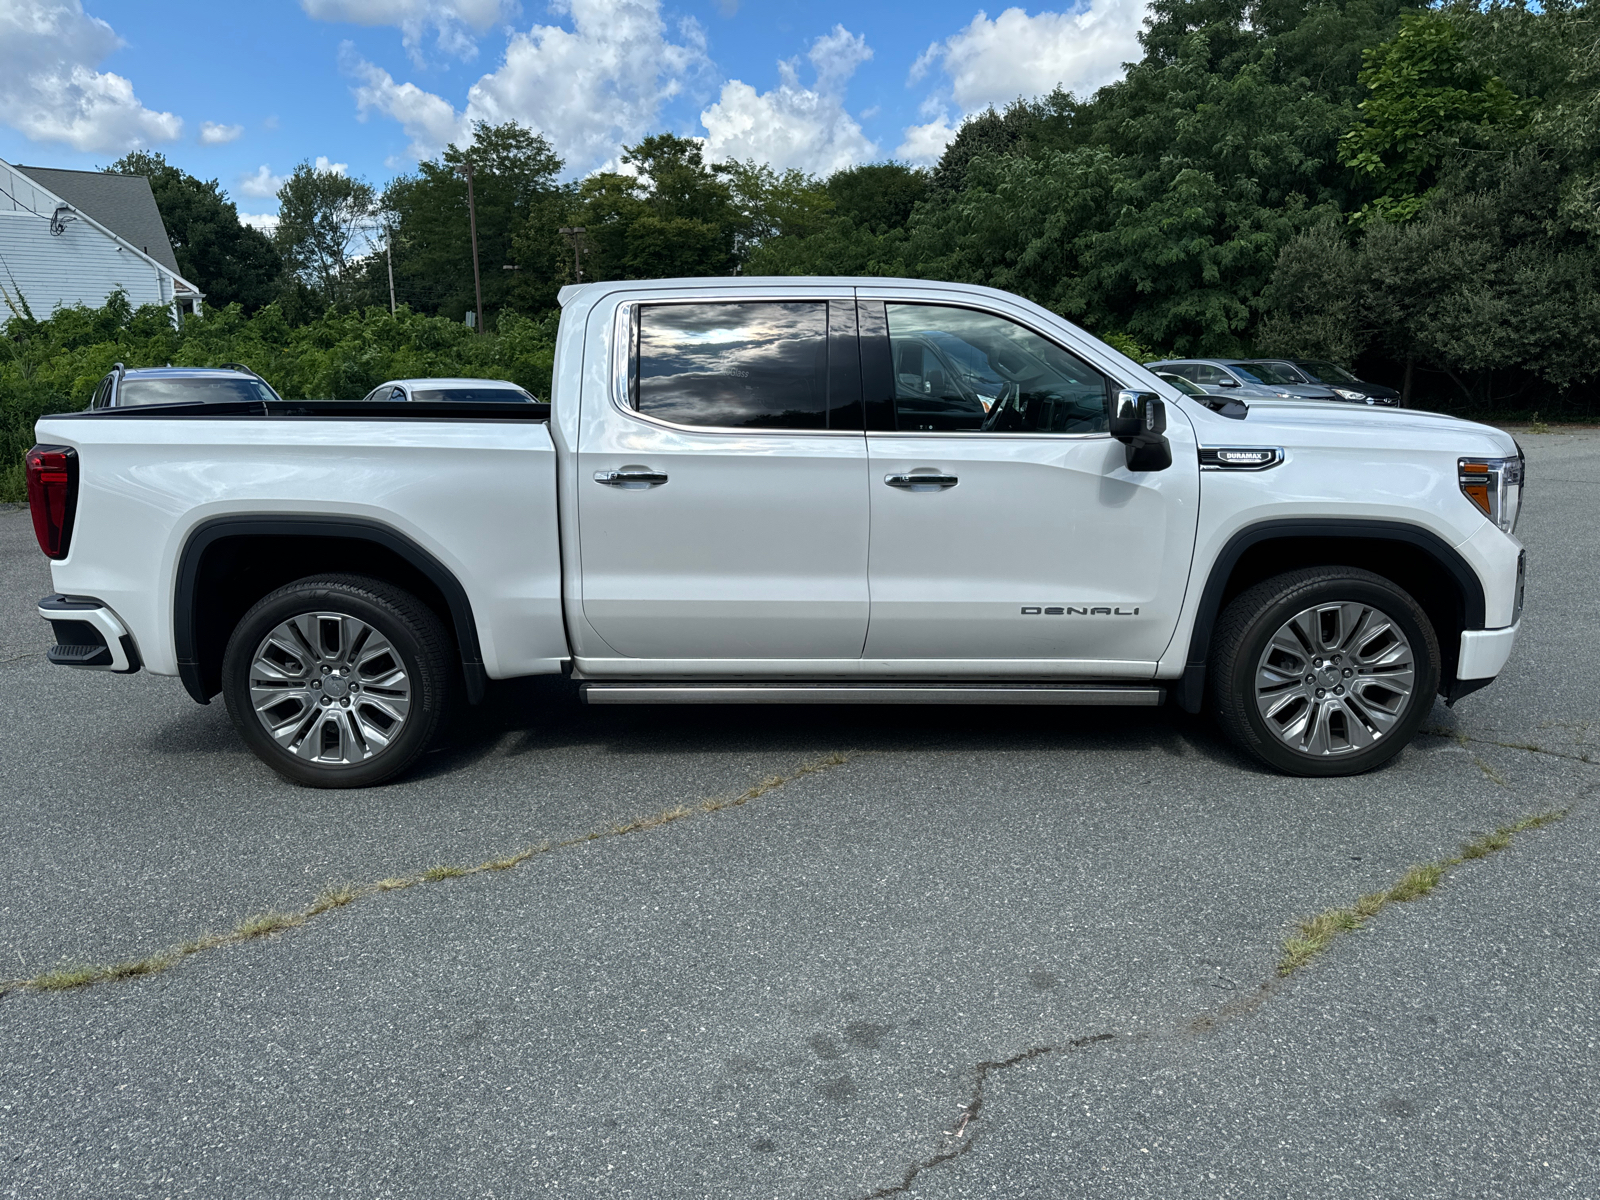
(82, 265)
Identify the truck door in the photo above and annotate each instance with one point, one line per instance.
(723, 484)
(1005, 524)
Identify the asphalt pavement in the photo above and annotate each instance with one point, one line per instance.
(974, 952)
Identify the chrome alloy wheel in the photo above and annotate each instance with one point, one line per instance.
(329, 688)
(1334, 679)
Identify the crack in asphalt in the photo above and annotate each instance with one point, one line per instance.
(974, 1107)
(1460, 738)
(1239, 1006)
(69, 977)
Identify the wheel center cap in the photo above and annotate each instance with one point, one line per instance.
(335, 686)
(1330, 676)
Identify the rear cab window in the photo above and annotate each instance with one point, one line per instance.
(781, 365)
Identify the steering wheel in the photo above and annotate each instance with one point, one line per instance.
(1010, 396)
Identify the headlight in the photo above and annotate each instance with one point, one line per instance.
(1348, 394)
(1494, 485)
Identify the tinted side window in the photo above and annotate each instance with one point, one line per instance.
(1210, 376)
(740, 365)
(957, 370)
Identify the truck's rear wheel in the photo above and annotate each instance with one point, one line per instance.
(337, 680)
(1325, 671)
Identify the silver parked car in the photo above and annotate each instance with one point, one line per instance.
(465, 391)
(1244, 378)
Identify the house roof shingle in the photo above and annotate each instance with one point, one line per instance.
(124, 204)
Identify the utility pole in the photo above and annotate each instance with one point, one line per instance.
(389, 250)
(574, 234)
(472, 218)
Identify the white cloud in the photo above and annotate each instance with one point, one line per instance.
(212, 134)
(50, 90)
(457, 23)
(925, 143)
(267, 223)
(587, 89)
(428, 120)
(263, 183)
(792, 125)
(322, 164)
(993, 62)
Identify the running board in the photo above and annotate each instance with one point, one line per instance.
(870, 693)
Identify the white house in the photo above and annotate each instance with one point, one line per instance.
(74, 237)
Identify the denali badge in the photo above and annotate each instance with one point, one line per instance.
(1073, 610)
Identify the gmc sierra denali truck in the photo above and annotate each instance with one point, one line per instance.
(754, 491)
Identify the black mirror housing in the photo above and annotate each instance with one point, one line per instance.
(1139, 421)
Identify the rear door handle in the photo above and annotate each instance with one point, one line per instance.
(631, 478)
(921, 483)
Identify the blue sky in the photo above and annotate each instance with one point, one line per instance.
(243, 91)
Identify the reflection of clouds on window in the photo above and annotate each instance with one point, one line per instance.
(739, 365)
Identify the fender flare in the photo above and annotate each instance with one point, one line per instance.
(185, 615)
(1191, 687)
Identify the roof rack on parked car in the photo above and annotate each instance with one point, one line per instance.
(238, 367)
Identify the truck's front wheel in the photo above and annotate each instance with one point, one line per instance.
(337, 680)
(1324, 671)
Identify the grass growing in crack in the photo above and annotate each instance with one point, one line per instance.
(261, 924)
(333, 896)
(338, 895)
(1317, 933)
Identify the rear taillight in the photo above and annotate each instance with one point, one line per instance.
(53, 495)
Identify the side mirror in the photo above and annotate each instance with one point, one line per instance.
(1227, 381)
(1139, 421)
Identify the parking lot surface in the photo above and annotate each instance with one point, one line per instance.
(952, 953)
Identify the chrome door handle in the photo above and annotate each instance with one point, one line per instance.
(634, 479)
(919, 483)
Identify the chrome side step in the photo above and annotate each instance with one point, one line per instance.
(871, 693)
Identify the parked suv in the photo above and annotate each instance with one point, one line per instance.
(1242, 377)
(232, 383)
(1345, 385)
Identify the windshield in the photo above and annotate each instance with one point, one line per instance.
(195, 390)
(1263, 373)
(474, 395)
(1325, 371)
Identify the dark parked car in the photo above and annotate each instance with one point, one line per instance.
(1345, 385)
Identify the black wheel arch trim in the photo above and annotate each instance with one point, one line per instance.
(203, 536)
(1191, 687)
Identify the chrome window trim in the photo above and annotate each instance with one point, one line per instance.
(623, 328)
(979, 434)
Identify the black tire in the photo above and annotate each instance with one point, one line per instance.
(298, 662)
(1296, 722)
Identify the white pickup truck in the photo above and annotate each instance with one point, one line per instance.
(834, 491)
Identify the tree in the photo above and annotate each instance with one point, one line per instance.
(675, 217)
(228, 260)
(1425, 101)
(519, 206)
(324, 219)
(880, 196)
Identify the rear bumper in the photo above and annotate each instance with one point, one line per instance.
(88, 635)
